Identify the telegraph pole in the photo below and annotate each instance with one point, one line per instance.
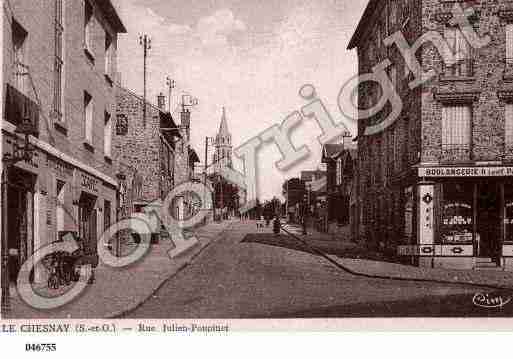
(171, 84)
(145, 42)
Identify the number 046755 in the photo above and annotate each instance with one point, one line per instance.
(40, 347)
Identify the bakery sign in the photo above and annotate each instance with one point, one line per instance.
(88, 183)
(466, 172)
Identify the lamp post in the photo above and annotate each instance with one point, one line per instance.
(20, 153)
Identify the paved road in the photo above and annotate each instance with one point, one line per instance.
(250, 276)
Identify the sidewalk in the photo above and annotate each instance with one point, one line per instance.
(360, 260)
(117, 291)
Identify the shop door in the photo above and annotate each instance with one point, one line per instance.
(488, 220)
(87, 224)
(19, 220)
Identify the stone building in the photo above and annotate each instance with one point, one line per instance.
(59, 58)
(435, 184)
(153, 153)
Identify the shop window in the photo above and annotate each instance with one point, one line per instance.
(457, 213)
(60, 207)
(409, 210)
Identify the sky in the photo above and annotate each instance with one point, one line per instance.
(251, 57)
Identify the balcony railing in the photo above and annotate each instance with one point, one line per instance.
(455, 153)
(462, 68)
(19, 107)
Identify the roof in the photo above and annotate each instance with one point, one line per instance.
(223, 128)
(193, 156)
(167, 122)
(363, 24)
(112, 15)
(330, 151)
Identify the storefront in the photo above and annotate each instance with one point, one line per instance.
(52, 194)
(463, 218)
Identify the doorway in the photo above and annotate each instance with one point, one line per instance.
(87, 228)
(20, 217)
(489, 220)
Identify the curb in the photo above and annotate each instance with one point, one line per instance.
(121, 313)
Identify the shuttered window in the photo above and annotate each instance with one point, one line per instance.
(509, 124)
(456, 126)
(509, 43)
(88, 117)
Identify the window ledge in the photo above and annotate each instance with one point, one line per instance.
(88, 146)
(61, 127)
(89, 55)
(444, 78)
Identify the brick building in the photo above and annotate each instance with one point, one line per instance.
(436, 185)
(59, 58)
(153, 153)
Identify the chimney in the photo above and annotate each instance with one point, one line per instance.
(161, 101)
(185, 118)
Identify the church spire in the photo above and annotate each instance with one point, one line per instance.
(223, 128)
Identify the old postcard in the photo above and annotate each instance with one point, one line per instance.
(207, 166)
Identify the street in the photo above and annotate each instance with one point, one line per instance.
(250, 273)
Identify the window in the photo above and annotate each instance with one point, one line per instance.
(339, 171)
(121, 125)
(106, 214)
(108, 55)
(509, 44)
(19, 37)
(393, 12)
(88, 117)
(88, 26)
(107, 143)
(461, 49)
(456, 129)
(59, 61)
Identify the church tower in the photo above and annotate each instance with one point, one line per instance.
(223, 153)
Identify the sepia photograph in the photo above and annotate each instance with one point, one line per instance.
(177, 165)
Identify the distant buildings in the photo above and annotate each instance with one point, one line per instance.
(436, 187)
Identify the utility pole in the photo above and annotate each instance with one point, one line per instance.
(171, 84)
(145, 42)
(207, 140)
(287, 203)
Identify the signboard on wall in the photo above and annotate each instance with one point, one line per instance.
(466, 172)
(426, 215)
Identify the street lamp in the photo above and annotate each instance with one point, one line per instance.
(23, 152)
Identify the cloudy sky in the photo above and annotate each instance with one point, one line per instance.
(250, 56)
